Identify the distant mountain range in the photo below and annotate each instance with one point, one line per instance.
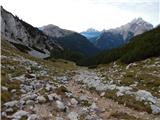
(119, 36)
(113, 38)
(141, 47)
(70, 40)
(91, 34)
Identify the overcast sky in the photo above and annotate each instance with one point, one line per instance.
(78, 15)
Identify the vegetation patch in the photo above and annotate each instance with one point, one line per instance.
(124, 116)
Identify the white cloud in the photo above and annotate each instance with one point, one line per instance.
(79, 15)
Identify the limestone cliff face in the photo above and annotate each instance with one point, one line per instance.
(19, 32)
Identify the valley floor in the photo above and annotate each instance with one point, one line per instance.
(35, 89)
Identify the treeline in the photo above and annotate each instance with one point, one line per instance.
(141, 47)
(67, 55)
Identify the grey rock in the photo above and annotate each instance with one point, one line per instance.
(4, 114)
(83, 98)
(41, 99)
(54, 96)
(19, 114)
(60, 105)
(33, 117)
(59, 118)
(74, 101)
(9, 110)
(30, 102)
(13, 91)
(11, 103)
(155, 109)
(73, 116)
(143, 95)
(3, 88)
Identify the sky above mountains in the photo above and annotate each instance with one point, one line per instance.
(78, 15)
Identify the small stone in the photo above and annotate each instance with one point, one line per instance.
(11, 103)
(59, 118)
(93, 106)
(155, 109)
(29, 102)
(83, 98)
(9, 110)
(74, 101)
(61, 105)
(41, 99)
(13, 91)
(73, 116)
(3, 114)
(18, 115)
(102, 94)
(33, 117)
(54, 96)
(3, 88)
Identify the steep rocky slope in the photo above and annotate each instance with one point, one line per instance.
(26, 37)
(119, 36)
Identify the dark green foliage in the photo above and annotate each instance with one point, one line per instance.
(78, 43)
(21, 47)
(67, 55)
(141, 47)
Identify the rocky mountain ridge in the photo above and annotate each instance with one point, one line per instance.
(119, 36)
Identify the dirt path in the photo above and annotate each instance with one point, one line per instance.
(107, 106)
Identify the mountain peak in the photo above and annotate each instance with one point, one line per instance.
(91, 30)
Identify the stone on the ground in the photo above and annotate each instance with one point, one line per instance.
(83, 98)
(33, 117)
(74, 101)
(3, 88)
(60, 105)
(73, 116)
(143, 95)
(155, 109)
(11, 103)
(19, 114)
(41, 99)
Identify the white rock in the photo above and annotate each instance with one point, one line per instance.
(93, 106)
(3, 88)
(33, 117)
(19, 114)
(59, 118)
(102, 94)
(41, 99)
(9, 110)
(53, 96)
(74, 101)
(11, 103)
(3, 114)
(83, 98)
(68, 94)
(73, 116)
(13, 91)
(60, 105)
(143, 95)
(29, 102)
(155, 109)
